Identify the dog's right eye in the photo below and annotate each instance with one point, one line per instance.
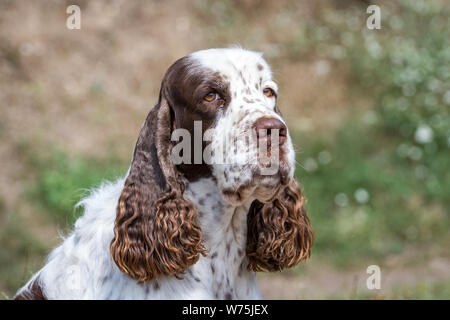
(268, 92)
(210, 97)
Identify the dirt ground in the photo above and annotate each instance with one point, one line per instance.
(320, 281)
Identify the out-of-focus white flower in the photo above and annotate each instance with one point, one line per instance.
(402, 103)
(402, 150)
(373, 47)
(424, 134)
(324, 157)
(370, 117)
(26, 49)
(310, 165)
(341, 199)
(415, 153)
(433, 84)
(322, 67)
(396, 23)
(408, 89)
(338, 52)
(361, 195)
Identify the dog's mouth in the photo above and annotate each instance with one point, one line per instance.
(263, 187)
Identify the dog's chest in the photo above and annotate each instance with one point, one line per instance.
(222, 272)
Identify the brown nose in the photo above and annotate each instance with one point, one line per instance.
(267, 125)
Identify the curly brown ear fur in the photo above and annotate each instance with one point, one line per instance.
(156, 231)
(279, 233)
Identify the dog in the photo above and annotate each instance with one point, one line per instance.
(182, 225)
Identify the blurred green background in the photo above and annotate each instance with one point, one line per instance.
(368, 110)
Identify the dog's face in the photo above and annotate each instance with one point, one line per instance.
(217, 118)
(240, 135)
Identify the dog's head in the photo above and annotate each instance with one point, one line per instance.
(217, 117)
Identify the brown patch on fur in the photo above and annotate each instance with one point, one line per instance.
(279, 233)
(242, 77)
(236, 194)
(260, 67)
(156, 230)
(184, 86)
(225, 173)
(231, 193)
(34, 292)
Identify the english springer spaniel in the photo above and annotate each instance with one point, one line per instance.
(201, 227)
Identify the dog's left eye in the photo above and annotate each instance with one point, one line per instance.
(268, 92)
(211, 96)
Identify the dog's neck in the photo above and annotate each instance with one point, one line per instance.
(220, 221)
(224, 228)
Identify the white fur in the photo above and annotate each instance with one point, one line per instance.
(81, 267)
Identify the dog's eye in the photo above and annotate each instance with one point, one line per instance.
(210, 97)
(268, 92)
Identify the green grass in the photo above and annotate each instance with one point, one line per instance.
(63, 181)
(20, 253)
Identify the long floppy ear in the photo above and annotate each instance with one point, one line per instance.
(279, 233)
(156, 230)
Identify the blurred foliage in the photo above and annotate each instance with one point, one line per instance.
(20, 252)
(381, 183)
(63, 181)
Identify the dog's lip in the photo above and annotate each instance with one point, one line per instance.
(273, 182)
(282, 177)
(283, 173)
